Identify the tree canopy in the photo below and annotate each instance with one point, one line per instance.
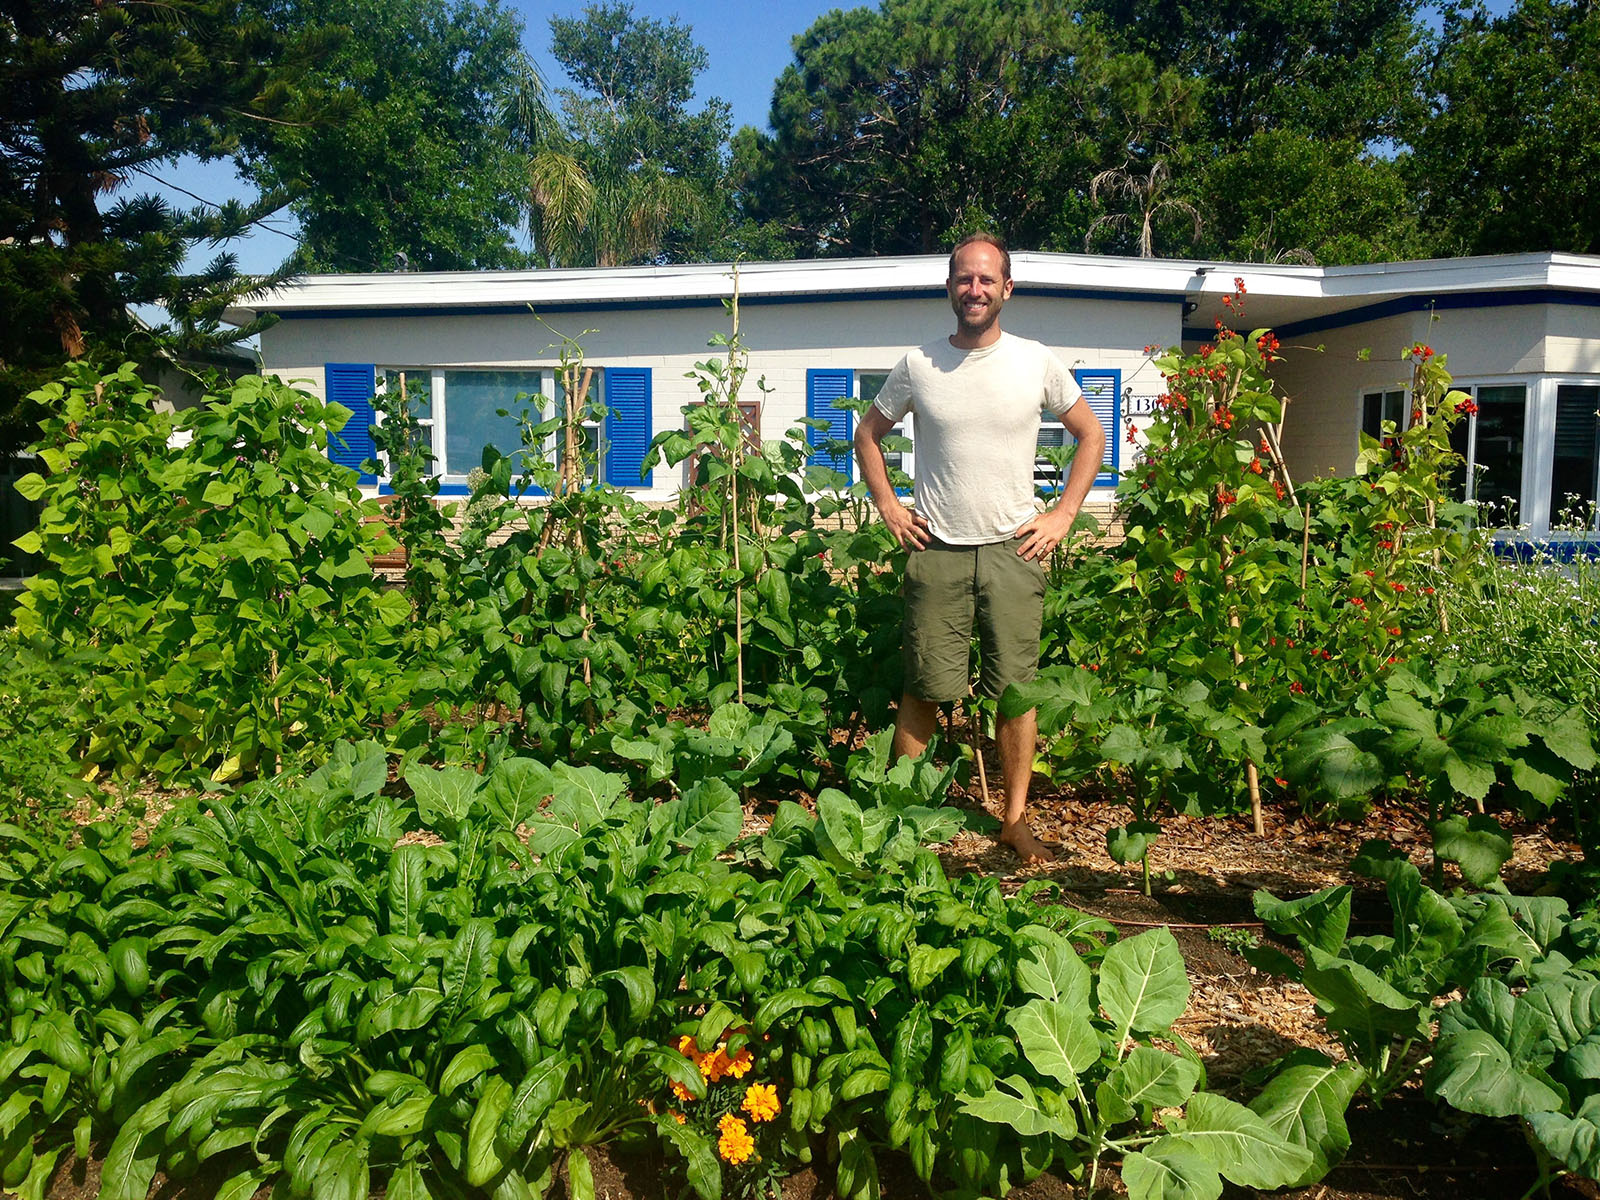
(420, 166)
(634, 175)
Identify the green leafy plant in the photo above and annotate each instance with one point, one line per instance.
(222, 579)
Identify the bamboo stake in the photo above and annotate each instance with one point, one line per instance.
(1305, 550)
(977, 750)
(733, 488)
(1252, 776)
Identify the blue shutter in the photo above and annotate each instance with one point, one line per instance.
(352, 385)
(823, 387)
(628, 425)
(1103, 391)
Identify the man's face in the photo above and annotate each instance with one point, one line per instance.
(978, 288)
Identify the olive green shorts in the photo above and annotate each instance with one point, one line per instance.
(946, 588)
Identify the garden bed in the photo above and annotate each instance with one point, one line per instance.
(1239, 1020)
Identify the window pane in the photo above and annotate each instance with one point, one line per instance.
(1502, 417)
(471, 400)
(1572, 483)
(1378, 407)
(1455, 481)
(870, 384)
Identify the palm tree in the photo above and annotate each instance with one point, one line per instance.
(1151, 203)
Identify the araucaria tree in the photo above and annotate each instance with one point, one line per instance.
(95, 95)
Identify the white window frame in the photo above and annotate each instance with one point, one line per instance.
(1401, 425)
(1531, 443)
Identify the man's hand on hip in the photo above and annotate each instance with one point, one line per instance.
(910, 528)
(1043, 533)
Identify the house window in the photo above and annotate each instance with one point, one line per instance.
(1573, 475)
(459, 413)
(1049, 469)
(1380, 407)
(590, 435)
(1494, 449)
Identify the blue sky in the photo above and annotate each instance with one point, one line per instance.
(747, 43)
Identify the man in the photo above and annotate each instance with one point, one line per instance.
(977, 542)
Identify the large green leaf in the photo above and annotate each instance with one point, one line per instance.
(1321, 919)
(1143, 984)
(1241, 1145)
(130, 1164)
(483, 1160)
(1170, 1169)
(1324, 761)
(583, 796)
(842, 819)
(1011, 1103)
(1475, 1073)
(1147, 1079)
(1051, 969)
(468, 1063)
(703, 1171)
(515, 790)
(1305, 1103)
(1476, 844)
(1571, 1005)
(1360, 1003)
(444, 796)
(1573, 1140)
(1057, 1040)
(410, 1009)
(408, 887)
(927, 964)
(708, 813)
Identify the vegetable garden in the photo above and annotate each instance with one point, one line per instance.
(584, 841)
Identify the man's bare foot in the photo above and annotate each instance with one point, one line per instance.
(1028, 848)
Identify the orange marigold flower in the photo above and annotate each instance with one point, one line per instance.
(761, 1101)
(714, 1065)
(739, 1065)
(687, 1047)
(735, 1145)
(680, 1118)
(681, 1092)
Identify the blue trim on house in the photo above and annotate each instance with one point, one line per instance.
(873, 297)
(1547, 549)
(1452, 302)
(1090, 379)
(824, 385)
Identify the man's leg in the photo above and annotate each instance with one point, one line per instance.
(1018, 737)
(914, 723)
(1010, 613)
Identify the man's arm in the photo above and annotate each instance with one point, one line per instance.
(910, 528)
(1044, 532)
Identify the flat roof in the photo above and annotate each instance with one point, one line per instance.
(1288, 293)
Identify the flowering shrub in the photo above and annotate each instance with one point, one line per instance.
(1253, 622)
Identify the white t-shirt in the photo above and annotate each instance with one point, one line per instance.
(977, 431)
